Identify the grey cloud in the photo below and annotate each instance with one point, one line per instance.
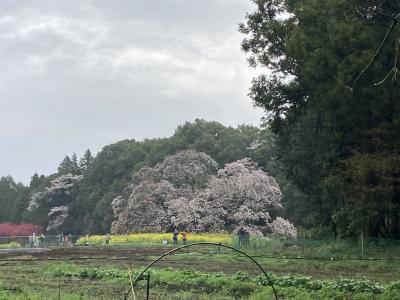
(79, 74)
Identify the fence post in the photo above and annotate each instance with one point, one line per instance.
(362, 245)
(59, 289)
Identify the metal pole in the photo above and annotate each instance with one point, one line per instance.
(148, 286)
(362, 245)
(59, 290)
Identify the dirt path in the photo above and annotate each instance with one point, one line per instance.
(17, 251)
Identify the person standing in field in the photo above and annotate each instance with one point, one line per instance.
(86, 241)
(175, 236)
(184, 237)
(70, 243)
(107, 238)
(41, 238)
(60, 239)
(66, 241)
(35, 240)
(30, 241)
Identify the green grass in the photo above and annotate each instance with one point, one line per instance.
(11, 245)
(302, 247)
(218, 275)
(40, 280)
(379, 270)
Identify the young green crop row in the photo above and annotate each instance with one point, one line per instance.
(73, 282)
(239, 285)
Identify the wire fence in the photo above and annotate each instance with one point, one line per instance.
(365, 248)
(39, 241)
(359, 247)
(68, 289)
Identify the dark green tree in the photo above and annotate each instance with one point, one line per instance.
(74, 163)
(224, 144)
(324, 95)
(65, 166)
(37, 181)
(69, 165)
(8, 199)
(86, 160)
(14, 199)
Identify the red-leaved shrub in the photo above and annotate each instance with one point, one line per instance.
(8, 229)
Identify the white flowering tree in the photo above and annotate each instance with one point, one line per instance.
(53, 202)
(282, 227)
(152, 202)
(188, 169)
(142, 207)
(248, 197)
(57, 216)
(184, 192)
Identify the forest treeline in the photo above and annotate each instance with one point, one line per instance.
(104, 176)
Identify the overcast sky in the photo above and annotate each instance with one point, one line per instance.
(83, 74)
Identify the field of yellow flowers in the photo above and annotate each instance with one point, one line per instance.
(155, 238)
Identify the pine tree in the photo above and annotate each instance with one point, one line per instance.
(65, 166)
(86, 160)
(74, 164)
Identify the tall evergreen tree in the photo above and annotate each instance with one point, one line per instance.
(69, 165)
(74, 163)
(329, 107)
(8, 197)
(65, 166)
(37, 181)
(14, 198)
(86, 160)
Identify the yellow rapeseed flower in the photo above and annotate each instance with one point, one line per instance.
(156, 238)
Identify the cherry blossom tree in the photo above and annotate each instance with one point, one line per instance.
(151, 202)
(142, 207)
(57, 216)
(282, 227)
(184, 191)
(248, 196)
(53, 201)
(188, 169)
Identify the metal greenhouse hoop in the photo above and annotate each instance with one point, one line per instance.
(140, 276)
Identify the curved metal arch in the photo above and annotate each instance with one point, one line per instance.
(203, 244)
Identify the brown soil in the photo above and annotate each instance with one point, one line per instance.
(139, 257)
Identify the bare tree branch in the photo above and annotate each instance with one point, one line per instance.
(396, 56)
(393, 70)
(389, 31)
(386, 77)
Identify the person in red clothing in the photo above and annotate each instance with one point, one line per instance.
(184, 237)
